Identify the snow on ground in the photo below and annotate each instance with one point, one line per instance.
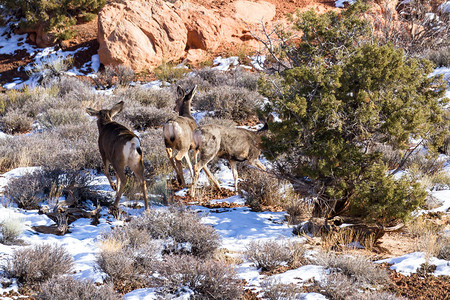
(223, 64)
(445, 7)
(10, 43)
(239, 226)
(341, 3)
(409, 263)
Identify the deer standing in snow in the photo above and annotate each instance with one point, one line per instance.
(119, 147)
(178, 133)
(233, 144)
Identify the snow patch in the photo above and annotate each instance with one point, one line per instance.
(341, 3)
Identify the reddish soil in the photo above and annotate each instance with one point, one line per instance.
(420, 285)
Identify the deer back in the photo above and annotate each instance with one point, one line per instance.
(178, 133)
(112, 139)
(240, 144)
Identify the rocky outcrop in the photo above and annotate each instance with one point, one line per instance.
(141, 34)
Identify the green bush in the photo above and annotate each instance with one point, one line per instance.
(53, 16)
(340, 95)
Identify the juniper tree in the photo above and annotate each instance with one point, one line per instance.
(341, 96)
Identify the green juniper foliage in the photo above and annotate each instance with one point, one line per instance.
(339, 96)
(56, 16)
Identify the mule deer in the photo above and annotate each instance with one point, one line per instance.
(119, 147)
(178, 133)
(233, 144)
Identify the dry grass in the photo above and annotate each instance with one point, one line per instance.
(260, 190)
(347, 239)
(429, 237)
(169, 72)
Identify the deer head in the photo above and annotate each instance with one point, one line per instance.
(104, 116)
(183, 102)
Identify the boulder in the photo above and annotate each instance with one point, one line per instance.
(140, 34)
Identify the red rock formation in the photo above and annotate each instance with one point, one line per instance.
(141, 34)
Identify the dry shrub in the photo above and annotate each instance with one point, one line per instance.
(38, 263)
(229, 102)
(55, 117)
(114, 75)
(274, 290)
(441, 57)
(159, 98)
(66, 287)
(297, 209)
(16, 100)
(14, 121)
(128, 256)
(341, 287)
(183, 228)
(154, 151)
(260, 189)
(143, 117)
(217, 121)
(71, 146)
(212, 77)
(206, 78)
(208, 279)
(359, 268)
(73, 87)
(11, 228)
(421, 25)
(337, 286)
(270, 255)
(26, 191)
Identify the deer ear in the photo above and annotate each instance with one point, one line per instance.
(191, 94)
(92, 112)
(117, 108)
(180, 92)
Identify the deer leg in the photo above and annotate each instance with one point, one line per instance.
(233, 164)
(258, 164)
(194, 181)
(211, 176)
(121, 182)
(180, 178)
(138, 170)
(111, 183)
(188, 160)
(178, 159)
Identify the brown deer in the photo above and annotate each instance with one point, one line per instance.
(178, 133)
(119, 147)
(233, 144)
